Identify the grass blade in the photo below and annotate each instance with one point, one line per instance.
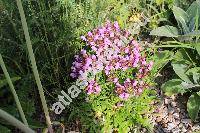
(33, 63)
(12, 120)
(13, 90)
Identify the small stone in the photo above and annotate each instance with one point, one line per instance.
(174, 104)
(183, 130)
(177, 122)
(176, 115)
(165, 130)
(180, 125)
(170, 110)
(144, 130)
(166, 101)
(196, 127)
(164, 125)
(159, 119)
(170, 118)
(173, 97)
(171, 126)
(176, 130)
(182, 110)
(178, 110)
(186, 121)
(165, 120)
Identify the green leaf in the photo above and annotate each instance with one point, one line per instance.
(159, 2)
(193, 10)
(182, 18)
(182, 55)
(180, 68)
(167, 31)
(197, 46)
(161, 59)
(195, 73)
(193, 106)
(173, 86)
(198, 93)
(193, 33)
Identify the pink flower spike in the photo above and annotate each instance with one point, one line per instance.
(94, 57)
(83, 52)
(73, 75)
(128, 80)
(126, 50)
(112, 34)
(116, 25)
(89, 33)
(115, 80)
(94, 48)
(107, 72)
(120, 104)
(135, 83)
(144, 62)
(117, 65)
(98, 89)
(150, 65)
(124, 96)
(89, 91)
(140, 90)
(83, 38)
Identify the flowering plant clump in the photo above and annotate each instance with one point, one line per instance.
(109, 51)
(114, 71)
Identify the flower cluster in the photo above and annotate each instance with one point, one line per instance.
(110, 49)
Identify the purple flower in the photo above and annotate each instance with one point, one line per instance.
(117, 65)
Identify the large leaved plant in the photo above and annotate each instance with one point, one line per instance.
(188, 24)
(187, 81)
(186, 59)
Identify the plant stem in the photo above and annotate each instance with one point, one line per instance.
(12, 120)
(13, 90)
(33, 63)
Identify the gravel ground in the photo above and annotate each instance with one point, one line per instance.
(171, 117)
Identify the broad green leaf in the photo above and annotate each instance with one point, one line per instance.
(193, 33)
(180, 68)
(182, 55)
(198, 93)
(182, 18)
(4, 81)
(197, 46)
(167, 31)
(188, 85)
(173, 86)
(174, 46)
(193, 106)
(195, 73)
(193, 10)
(161, 59)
